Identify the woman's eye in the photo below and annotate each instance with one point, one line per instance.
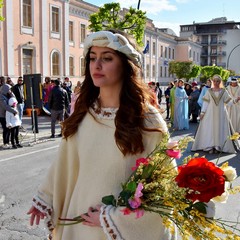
(92, 59)
(106, 59)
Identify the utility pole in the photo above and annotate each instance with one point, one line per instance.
(139, 1)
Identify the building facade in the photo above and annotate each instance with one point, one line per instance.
(46, 37)
(220, 42)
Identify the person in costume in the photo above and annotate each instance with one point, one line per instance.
(172, 100)
(181, 120)
(203, 92)
(234, 110)
(113, 124)
(215, 126)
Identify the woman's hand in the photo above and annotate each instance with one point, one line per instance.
(92, 217)
(36, 216)
(201, 115)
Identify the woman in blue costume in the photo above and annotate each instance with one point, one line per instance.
(181, 121)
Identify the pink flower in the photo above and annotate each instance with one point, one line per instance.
(173, 153)
(139, 213)
(144, 161)
(126, 211)
(135, 203)
(138, 192)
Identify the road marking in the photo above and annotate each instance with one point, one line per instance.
(29, 153)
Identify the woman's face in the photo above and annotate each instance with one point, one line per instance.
(105, 67)
(209, 83)
(216, 82)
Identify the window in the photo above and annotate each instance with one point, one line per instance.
(169, 53)
(173, 54)
(27, 13)
(82, 33)
(153, 71)
(166, 52)
(71, 66)
(70, 31)
(55, 64)
(161, 54)
(190, 53)
(154, 49)
(165, 71)
(194, 55)
(161, 71)
(27, 61)
(55, 20)
(147, 71)
(82, 66)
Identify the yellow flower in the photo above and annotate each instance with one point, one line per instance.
(235, 136)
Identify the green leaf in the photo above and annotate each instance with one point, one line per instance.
(131, 186)
(109, 200)
(201, 207)
(147, 171)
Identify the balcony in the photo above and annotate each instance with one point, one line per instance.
(223, 64)
(204, 54)
(222, 42)
(210, 31)
(221, 53)
(204, 43)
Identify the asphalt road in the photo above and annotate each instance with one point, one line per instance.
(22, 170)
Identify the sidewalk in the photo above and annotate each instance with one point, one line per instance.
(29, 137)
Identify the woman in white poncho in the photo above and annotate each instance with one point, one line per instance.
(215, 126)
(111, 127)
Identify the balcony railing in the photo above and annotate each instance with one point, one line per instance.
(221, 53)
(210, 31)
(223, 64)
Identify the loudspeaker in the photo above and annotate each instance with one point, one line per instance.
(33, 90)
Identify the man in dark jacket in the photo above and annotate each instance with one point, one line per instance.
(58, 102)
(5, 94)
(17, 89)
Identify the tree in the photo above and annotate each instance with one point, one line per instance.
(209, 71)
(1, 6)
(180, 69)
(110, 17)
(195, 72)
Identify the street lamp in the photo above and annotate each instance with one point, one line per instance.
(139, 1)
(230, 54)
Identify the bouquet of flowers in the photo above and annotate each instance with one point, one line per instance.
(183, 196)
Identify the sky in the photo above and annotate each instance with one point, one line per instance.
(173, 13)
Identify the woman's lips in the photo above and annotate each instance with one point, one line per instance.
(97, 75)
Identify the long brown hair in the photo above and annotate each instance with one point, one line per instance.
(129, 120)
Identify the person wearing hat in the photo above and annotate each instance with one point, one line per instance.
(13, 122)
(234, 109)
(215, 126)
(5, 94)
(113, 123)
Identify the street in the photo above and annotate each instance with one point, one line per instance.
(22, 170)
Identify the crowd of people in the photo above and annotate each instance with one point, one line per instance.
(58, 101)
(216, 108)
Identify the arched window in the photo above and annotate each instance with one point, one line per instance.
(55, 63)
